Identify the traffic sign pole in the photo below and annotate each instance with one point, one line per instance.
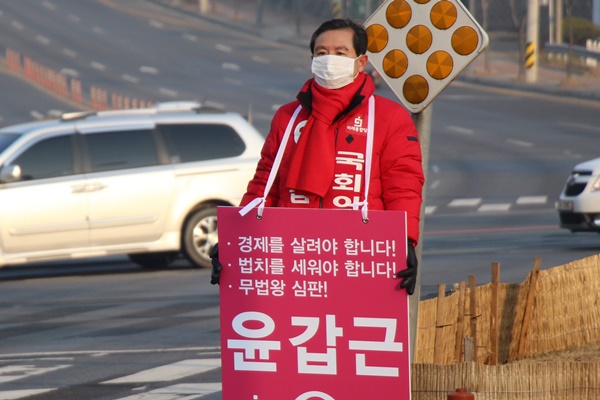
(419, 47)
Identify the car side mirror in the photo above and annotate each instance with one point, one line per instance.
(10, 173)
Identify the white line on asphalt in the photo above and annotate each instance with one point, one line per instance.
(261, 60)
(156, 24)
(98, 66)
(98, 30)
(130, 78)
(17, 25)
(532, 200)
(74, 18)
(8, 357)
(494, 207)
(181, 391)
(168, 92)
(464, 202)
(171, 372)
(430, 210)
(190, 37)
(519, 143)
(69, 53)
(223, 48)
(230, 66)
(69, 72)
(458, 129)
(36, 114)
(16, 372)
(145, 69)
(49, 6)
(42, 39)
(21, 394)
(435, 184)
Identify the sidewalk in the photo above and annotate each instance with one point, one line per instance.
(502, 56)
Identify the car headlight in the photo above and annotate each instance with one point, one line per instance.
(596, 185)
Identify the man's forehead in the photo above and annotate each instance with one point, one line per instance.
(341, 39)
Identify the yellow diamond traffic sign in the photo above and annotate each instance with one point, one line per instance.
(420, 46)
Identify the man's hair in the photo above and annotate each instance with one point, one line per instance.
(360, 34)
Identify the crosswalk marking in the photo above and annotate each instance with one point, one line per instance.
(170, 372)
(464, 202)
(21, 394)
(12, 373)
(532, 200)
(183, 391)
(494, 207)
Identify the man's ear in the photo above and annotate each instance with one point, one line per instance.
(362, 62)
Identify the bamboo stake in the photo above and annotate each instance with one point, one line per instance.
(494, 314)
(529, 307)
(473, 312)
(438, 352)
(460, 328)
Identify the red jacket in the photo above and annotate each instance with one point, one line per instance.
(396, 171)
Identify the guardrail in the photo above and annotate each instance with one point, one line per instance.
(589, 55)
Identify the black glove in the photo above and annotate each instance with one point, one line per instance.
(216, 265)
(410, 273)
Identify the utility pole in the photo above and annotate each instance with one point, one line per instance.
(559, 21)
(532, 38)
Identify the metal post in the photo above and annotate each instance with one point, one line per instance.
(422, 122)
(551, 23)
(532, 38)
(559, 21)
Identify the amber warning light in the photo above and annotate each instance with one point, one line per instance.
(420, 46)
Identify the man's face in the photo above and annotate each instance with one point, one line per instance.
(339, 42)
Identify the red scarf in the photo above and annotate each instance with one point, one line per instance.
(313, 163)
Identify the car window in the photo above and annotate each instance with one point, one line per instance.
(121, 150)
(201, 142)
(6, 140)
(48, 158)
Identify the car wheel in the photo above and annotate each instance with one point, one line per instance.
(199, 235)
(153, 260)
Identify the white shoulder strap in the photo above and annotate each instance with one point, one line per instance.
(260, 201)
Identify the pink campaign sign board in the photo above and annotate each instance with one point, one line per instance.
(310, 307)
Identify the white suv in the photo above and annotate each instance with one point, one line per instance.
(579, 203)
(143, 182)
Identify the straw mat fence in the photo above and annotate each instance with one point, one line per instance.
(475, 337)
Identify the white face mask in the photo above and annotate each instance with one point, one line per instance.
(333, 72)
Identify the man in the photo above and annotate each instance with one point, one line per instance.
(325, 162)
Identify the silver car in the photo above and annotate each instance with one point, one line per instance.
(142, 182)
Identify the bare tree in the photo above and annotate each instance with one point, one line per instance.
(520, 22)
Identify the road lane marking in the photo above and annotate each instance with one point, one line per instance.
(458, 129)
(520, 143)
(17, 25)
(98, 66)
(183, 391)
(42, 39)
(74, 18)
(223, 48)
(50, 6)
(465, 202)
(21, 394)
(494, 207)
(231, 66)
(98, 30)
(170, 372)
(190, 37)
(156, 24)
(430, 210)
(16, 372)
(69, 53)
(532, 200)
(130, 78)
(261, 60)
(145, 69)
